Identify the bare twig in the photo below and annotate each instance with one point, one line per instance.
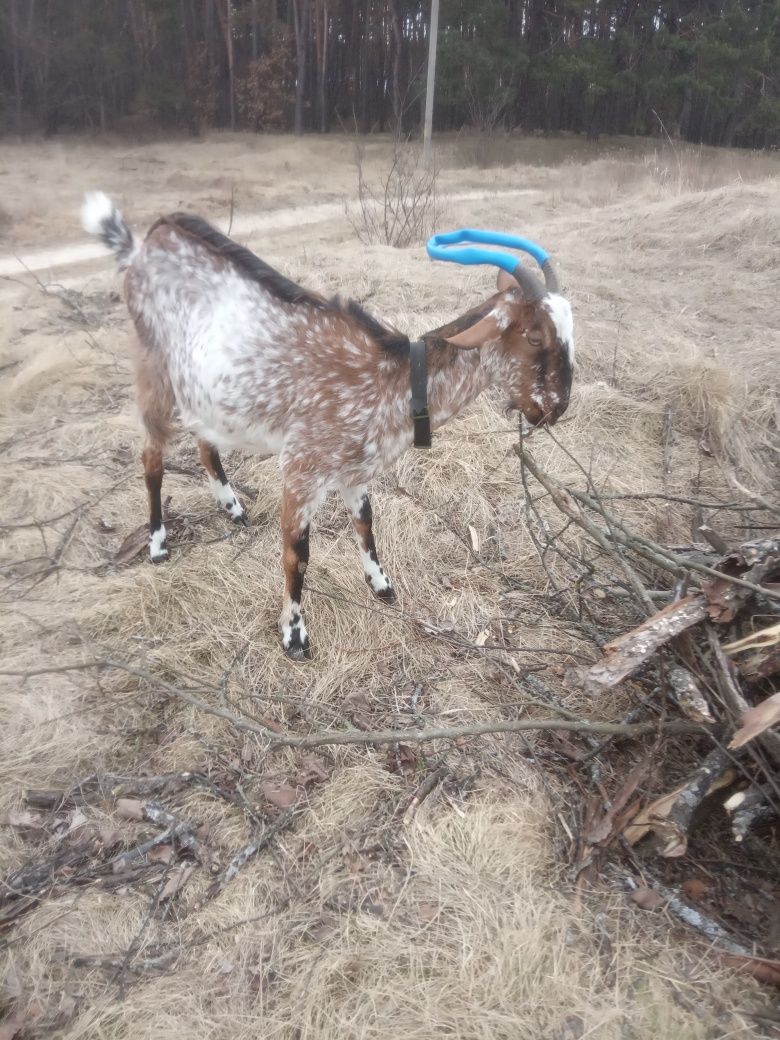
(416, 736)
(220, 883)
(694, 918)
(422, 792)
(569, 500)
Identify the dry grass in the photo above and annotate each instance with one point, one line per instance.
(463, 923)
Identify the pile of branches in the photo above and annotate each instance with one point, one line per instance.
(708, 649)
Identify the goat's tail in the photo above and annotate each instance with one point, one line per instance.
(101, 217)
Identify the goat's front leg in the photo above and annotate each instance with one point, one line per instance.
(220, 487)
(359, 505)
(153, 475)
(295, 549)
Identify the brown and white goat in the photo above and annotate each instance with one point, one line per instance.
(250, 360)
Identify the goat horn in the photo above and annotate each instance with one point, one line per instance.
(533, 290)
(550, 277)
(439, 249)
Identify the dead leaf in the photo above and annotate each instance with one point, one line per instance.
(130, 808)
(161, 854)
(359, 709)
(105, 525)
(474, 536)
(572, 1029)
(19, 1020)
(402, 759)
(647, 898)
(133, 545)
(761, 664)
(694, 889)
(763, 970)
(13, 1025)
(108, 836)
(483, 637)
(282, 795)
(77, 821)
(428, 912)
(606, 828)
(314, 770)
(176, 880)
(320, 931)
(356, 861)
(23, 818)
(756, 720)
(67, 1009)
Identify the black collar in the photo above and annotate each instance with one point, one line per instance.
(418, 374)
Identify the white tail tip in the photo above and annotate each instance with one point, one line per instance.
(97, 208)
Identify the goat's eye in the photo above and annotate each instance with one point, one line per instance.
(534, 339)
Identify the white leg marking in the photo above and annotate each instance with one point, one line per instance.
(375, 574)
(356, 499)
(225, 498)
(157, 547)
(295, 638)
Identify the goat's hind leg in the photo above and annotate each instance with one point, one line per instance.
(155, 403)
(153, 475)
(295, 557)
(223, 493)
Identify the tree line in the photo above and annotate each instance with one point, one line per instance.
(703, 70)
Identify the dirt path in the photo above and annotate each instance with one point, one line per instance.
(80, 252)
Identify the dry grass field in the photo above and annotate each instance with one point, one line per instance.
(366, 915)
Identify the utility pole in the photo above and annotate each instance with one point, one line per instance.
(433, 33)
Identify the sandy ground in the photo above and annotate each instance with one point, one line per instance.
(358, 921)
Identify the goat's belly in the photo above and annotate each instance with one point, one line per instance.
(231, 434)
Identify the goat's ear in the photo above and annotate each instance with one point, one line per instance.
(506, 281)
(486, 330)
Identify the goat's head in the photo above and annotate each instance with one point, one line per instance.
(525, 332)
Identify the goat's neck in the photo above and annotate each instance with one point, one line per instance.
(455, 378)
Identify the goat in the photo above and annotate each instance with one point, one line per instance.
(249, 360)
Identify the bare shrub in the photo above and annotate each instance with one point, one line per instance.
(400, 206)
(488, 146)
(264, 94)
(201, 91)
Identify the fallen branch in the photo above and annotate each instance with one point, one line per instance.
(694, 918)
(748, 808)
(733, 697)
(419, 736)
(687, 693)
(714, 773)
(670, 817)
(355, 736)
(182, 831)
(626, 653)
(220, 883)
(422, 792)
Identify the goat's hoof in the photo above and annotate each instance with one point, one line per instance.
(161, 557)
(298, 651)
(387, 595)
(241, 519)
